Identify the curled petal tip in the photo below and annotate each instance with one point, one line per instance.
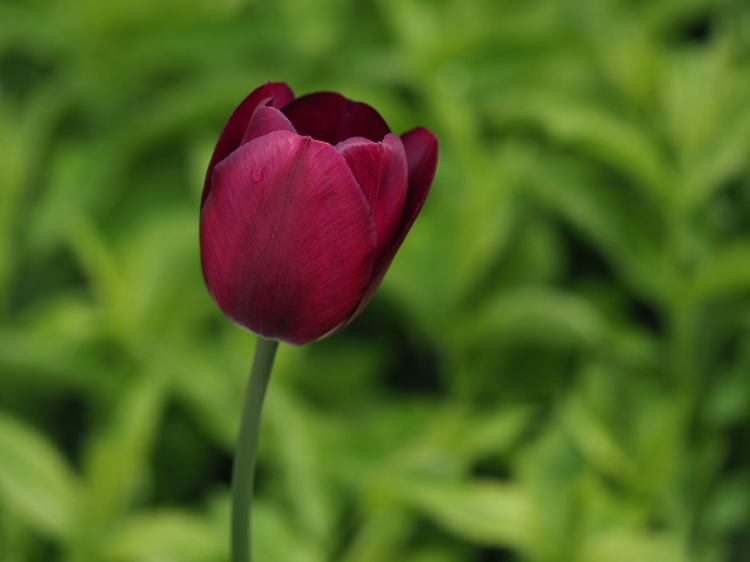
(231, 137)
(266, 119)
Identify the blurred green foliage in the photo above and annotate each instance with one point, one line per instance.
(556, 369)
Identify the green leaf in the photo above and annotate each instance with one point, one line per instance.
(728, 509)
(627, 546)
(541, 315)
(615, 140)
(36, 483)
(381, 536)
(117, 457)
(597, 443)
(278, 540)
(484, 512)
(728, 401)
(294, 447)
(626, 233)
(167, 536)
(724, 160)
(725, 273)
(492, 433)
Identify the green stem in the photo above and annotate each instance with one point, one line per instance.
(243, 472)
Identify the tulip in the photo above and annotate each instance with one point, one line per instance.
(305, 203)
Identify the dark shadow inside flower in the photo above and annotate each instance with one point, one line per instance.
(332, 118)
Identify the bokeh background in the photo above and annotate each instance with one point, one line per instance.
(556, 368)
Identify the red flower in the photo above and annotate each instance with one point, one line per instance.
(305, 204)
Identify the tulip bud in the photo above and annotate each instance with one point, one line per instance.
(305, 203)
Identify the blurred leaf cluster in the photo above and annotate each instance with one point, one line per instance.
(556, 368)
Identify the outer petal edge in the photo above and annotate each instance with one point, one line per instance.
(236, 125)
(421, 148)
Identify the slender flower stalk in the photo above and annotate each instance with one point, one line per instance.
(243, 471)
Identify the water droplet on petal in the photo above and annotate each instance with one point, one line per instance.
(256, 175)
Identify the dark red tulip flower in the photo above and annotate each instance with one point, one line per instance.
(306, 202)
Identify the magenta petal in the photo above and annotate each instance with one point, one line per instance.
(266, 119)
(381, 171)
(332, 118)
(287, 238)
(421, 148)
(234, 130)
(421, 154)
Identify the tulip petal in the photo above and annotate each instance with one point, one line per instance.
(234, 130)
(287, 238)
(266, 119)
(421, 154)
(332, 118)
(380, 169)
